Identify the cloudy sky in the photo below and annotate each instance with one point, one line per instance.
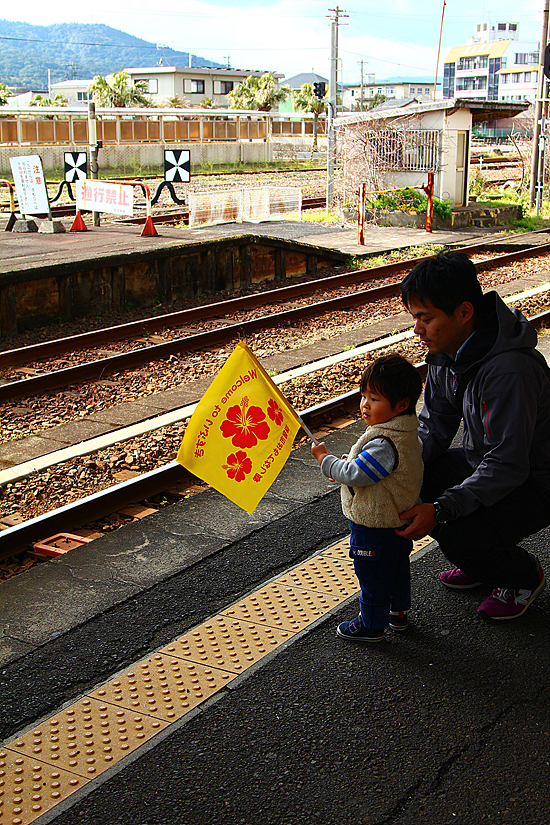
(396, 37)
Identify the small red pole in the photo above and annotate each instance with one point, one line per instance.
(361, 215)
(429, 190)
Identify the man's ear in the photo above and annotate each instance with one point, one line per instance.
(465, 311)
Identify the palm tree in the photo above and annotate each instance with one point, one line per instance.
(58, 100)
(305, 100)
(115, 90)
(4, 94)
(260, 93)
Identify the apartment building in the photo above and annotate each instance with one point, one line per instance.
(494, 64)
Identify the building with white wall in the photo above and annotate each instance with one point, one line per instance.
(448, 127)
(165, 82)
(493, 65)
(396, 88)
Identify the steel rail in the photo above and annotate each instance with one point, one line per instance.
(201, 340)
(59, 346)
(75, 515)
(127, 360)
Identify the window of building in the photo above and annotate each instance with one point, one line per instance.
(227, 86)
(83, 97)
(151, 86)
(516, 77)
(197, 87)
(479, 62)
(520, 59)
(427, 90)
(501, 27)
(390, 92)
(513, 27)
(412, 90)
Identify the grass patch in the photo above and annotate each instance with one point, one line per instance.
(321, 216)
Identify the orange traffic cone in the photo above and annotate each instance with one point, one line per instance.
(78, 223)
(149, 227)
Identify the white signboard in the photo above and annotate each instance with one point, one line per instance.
(102, 196)
(30, 184)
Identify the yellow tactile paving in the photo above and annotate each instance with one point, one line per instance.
(88, 737)
(339, 550)
(163, 687)
(227, 643)
(48, 763)
(29, 788)
(323, 575)
(282, 607)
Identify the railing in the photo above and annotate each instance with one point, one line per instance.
(61, 125)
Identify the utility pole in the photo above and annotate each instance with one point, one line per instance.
(361, 100)
(538, 108)
(332, 101)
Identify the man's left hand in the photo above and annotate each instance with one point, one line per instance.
(422, 524)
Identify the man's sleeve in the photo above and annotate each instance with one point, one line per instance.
(374, 463)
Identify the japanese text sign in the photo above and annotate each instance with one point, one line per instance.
(102, 196)
(30, 184)
(241, 432)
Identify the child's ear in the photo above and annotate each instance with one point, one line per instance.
(402, 405)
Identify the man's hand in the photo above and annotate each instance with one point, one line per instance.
(319, 451)
(423, 522)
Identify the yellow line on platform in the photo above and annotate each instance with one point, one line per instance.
(47, 763)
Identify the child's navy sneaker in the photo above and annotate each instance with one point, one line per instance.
(356, 631)
(398, 620)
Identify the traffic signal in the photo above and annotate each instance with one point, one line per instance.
(547, 61)
(319, 90)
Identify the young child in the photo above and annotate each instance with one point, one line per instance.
(380, 478)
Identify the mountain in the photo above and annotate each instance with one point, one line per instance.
(73, 50)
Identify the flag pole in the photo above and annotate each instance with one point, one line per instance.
(307, 431)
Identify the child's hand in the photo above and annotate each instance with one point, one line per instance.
(319, 451)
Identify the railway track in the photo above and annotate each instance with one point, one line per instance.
(220, 335)
(161, 480)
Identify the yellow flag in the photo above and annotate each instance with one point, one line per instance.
(241, 432)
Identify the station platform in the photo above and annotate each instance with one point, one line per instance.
(185, 669)
(23, 252)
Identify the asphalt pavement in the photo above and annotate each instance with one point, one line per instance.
(444, 723)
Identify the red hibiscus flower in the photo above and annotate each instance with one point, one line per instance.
(238, 465)
(245, 425)
(275, 412)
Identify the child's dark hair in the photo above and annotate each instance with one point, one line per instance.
(395, 378)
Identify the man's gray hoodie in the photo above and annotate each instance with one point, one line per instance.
(503, 396)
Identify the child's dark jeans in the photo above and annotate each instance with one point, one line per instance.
(381, 562)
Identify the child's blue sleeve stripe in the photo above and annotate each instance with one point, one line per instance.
(364, 459)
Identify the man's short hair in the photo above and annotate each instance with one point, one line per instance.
(446, 281)
(395, 378)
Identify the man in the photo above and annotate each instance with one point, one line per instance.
(482, 499)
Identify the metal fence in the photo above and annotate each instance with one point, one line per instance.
(130, 126)
(407, 150)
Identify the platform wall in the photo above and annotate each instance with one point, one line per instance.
(32, 298)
